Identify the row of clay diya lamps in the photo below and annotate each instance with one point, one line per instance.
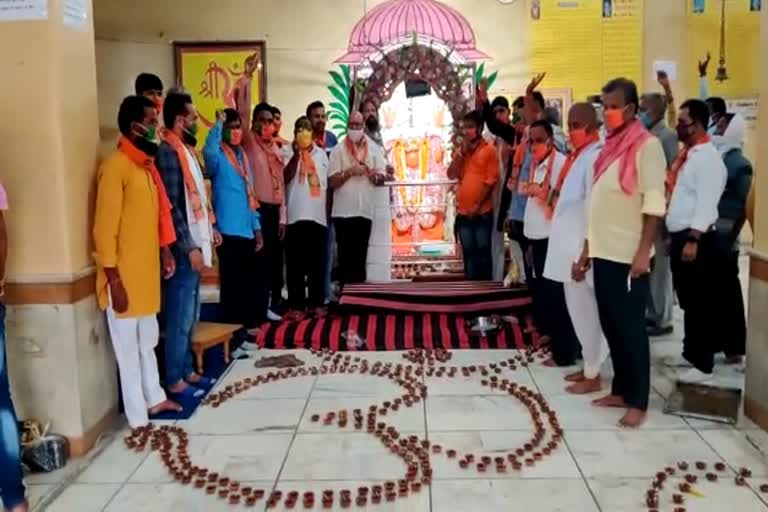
(415, 453)
(686, 487)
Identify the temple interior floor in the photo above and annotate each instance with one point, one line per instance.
(265, 438)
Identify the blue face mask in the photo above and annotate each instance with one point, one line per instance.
(645, 119)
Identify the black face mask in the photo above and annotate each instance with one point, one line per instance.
(372, 124)
(147, 147)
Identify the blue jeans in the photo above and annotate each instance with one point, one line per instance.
(12, 490)
(182, 309)
(475, 237)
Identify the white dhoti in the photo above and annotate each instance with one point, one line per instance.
(497, 253)
(134, 341)
(582, 308)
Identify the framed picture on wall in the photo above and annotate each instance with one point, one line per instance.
(209, 71)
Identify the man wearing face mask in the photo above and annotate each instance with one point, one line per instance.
(729, 139)
(306, 178)
(696, 183)
(193, 219)
(626, 205)
(132, 232)
(661, 299)
(237, 219)
(267, 164)
(549, 308)
(475, 166)
(567, 202)
(357, 166)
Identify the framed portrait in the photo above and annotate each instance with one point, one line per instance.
(209, 72)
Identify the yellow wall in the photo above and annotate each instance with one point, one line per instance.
(48, 143)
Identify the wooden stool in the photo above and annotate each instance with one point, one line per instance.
(210, 334)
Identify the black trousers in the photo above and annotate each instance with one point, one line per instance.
(733, 322)
(699, 300)
(272, 254)
(240, 286)
(475, 236)
(352, 235)
(621, 306)
(304, 264)
(549, 309)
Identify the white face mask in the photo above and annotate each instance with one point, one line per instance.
(355, 135)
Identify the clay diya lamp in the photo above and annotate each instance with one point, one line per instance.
(679, 509)
(258, 493)
(485, 459)
(701, 466)
(740, 481)
(691, 479)
(712, 477)
(678, 499)
(246, 491)
(327, 503)
(224, 481)
(451, 454)
(670, 471)
(234, 499)
(315, 418)
(480, 467)
(746, 473)
(463, 464)
(537, 456)
(213, 477)
(683, 466)
(469, 457)
(416, 486)
(684, 487)
(719, 466)
(652, 501)
(186, 479)
(530, 462)
(436, 448)
(223, 493)
(210, 490)
(200, 483)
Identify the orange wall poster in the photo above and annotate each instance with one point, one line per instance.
(210, 71)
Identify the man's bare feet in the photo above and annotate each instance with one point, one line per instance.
(165, 406)
(586, 386)
(24, 507)
(575, 377)
(193, 378)
(634, 418)
(550, 363)
(179, 387)
(610, 401)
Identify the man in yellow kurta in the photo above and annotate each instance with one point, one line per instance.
(132, 224)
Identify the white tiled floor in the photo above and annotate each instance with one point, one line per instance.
(265, 438)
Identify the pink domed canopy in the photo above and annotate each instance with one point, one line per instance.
(397, 20)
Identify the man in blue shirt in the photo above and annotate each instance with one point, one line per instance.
(237, 219)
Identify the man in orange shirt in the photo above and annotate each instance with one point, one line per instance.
(475, 166)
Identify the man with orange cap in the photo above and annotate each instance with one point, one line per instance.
(627, 203)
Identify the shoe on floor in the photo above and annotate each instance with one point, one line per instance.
(694, 376)
(273, 317)
(677, 362)
(655, 331)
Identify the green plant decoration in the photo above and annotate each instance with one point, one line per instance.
(338, 109)
(479, 75)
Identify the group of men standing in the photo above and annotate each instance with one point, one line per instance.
(274, 204)
(610, 228)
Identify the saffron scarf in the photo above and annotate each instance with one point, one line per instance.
(674, 173)
(352, 148)
(554, 195)
(320, 140)
(308, 172)
(625, 145)
(196, 202)
(275, 164)
(244, 171)
(517, 161)
(138, 157)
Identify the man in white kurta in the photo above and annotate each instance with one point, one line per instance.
(566, 241)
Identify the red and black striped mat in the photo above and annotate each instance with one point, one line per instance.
(391, 331)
